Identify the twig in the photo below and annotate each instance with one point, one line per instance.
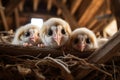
(27, 57)
(65, 71)
(85, 63)
(93, 66)
(55, 63)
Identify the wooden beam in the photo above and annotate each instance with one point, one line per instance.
(91, 10)
(92, 23)
(21, 5)
(16, 50)
(17, 17)
(99, 27)
(37, 15)
(66, 14)
(3, 17)
(115, 8)
(103, 54)
(94, 20)
(49, 5)
(82, 8)
(59, 11)
(75, 5)
(64, 1)
(35, 4)
(9, 21)
(102, 24)
(108, 11)
(12, 4)
(1, 7)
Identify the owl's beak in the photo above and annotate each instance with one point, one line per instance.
(58, 38)
(34, 38)
(81, 46)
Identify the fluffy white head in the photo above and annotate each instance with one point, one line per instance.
(27, 34)
(83, 39)
(55, 32)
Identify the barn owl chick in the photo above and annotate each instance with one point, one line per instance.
(27, 35)
(55, 32)
(83, 39)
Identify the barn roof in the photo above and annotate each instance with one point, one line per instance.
(94, 14)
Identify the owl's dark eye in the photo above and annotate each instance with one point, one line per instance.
(88, 41)
(38, 34)
(63, 31)
(27, 34)
(50, 32)
(76, 41)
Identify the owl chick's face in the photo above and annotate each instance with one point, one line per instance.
(82, 42)
(30, 35)
(56, 36)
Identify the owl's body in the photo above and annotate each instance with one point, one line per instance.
(27, 35)
(83, 39)
(55, 32)
(101, 41)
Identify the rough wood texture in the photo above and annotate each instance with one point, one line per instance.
(17, 17)
(49, 5)
(103, 54)
(32, 15)
(115, 8)
(35, 4)
(3, 17)
(85, 17)
(13, 50)
(11, 6)
(73, 11)
(66, 14)
(21, 5)
(75, 6)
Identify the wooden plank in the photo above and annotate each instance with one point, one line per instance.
(66, 14)
(108, 11)
(59, 11)
(92, 23)
(102, 24)
(36, 15)
(90, 11)
(99, 27)
(21, 5)
(3, 17)
(49, 5)
(106, 52)
(16, 50)
(12, 4)
(1, 7)
(84, 5)
(75, 6)
(17, 17)
(103, 54)
(94, 20)
(115, 8)
(35, 4)
(64, 1)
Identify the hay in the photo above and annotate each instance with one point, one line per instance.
(34, 63)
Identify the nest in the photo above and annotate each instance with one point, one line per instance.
(32, 63)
